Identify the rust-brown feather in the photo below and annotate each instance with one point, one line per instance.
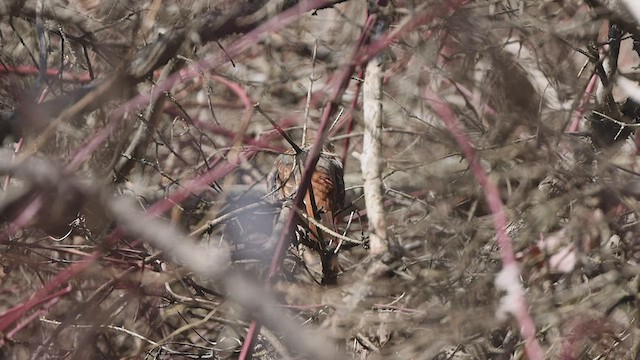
(326, 195)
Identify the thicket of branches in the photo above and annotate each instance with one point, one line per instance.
(489, 156)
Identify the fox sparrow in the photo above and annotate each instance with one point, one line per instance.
(323, 200)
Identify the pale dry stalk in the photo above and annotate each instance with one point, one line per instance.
(370, 160)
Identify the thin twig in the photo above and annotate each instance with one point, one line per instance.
(42, 43)
(293, 144)
(623, 124)
(115, 328)
(305, 117)
(224, 218)
(324, 228)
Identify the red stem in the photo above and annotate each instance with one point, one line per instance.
(492, 194)
(52, 73)
(588, 94)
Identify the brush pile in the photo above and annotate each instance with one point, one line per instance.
(489, 165)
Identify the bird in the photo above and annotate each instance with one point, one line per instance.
(324, 199)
